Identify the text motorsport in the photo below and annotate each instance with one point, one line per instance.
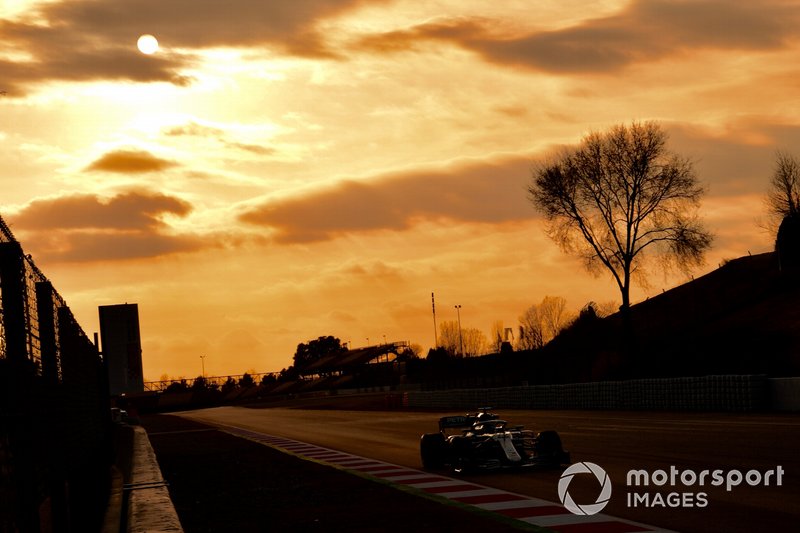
(641, 497)
(689, 478)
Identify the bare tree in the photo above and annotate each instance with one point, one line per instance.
(553, 311)
(783, 198)
(540, 323)
(530, 329)
(620, 196)
(604, 309)
(448, 337)
(475, 342)
(783, 204)
(497, 336)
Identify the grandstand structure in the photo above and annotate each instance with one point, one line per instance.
(368, 367)
(351, 361)
(376, 365)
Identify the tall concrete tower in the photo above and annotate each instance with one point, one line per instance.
(122, 347)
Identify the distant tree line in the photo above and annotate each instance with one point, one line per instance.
(203, 384)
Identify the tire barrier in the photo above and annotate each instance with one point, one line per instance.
(707, 393)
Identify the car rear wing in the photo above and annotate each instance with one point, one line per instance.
(450, 422)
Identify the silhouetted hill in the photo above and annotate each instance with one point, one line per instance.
(742, 318)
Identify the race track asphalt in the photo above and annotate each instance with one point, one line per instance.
(222, 483)
(617, 441)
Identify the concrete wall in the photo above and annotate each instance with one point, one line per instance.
(785, 394)
(149, 505)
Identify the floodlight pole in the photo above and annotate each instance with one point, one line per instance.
(460, 339)
(435, 331)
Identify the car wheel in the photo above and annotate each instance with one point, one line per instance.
(432, 450)
(460, 450)
(548, 445)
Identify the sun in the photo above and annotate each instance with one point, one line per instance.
(147, 44)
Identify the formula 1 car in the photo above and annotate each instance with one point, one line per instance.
(486, 443)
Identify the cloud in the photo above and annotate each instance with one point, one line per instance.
(127, 211)
(85, 227)
(256, 149)
(736, 160)
(459, 30)
(88, 40)
(373, 272)
(76, 247)
(59, 51)
(91, 40)
(496, 192)
(290, 26)
(193, 129)
(646, 31)
(130, 161)
(490, 192)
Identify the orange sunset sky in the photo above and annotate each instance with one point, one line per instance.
(278, 171)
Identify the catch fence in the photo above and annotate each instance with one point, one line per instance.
(54, 413)
(705, 393)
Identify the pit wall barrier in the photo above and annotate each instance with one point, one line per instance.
(139, 501)
(149, 507)
(707, 393)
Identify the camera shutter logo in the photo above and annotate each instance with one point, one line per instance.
(584, 468)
